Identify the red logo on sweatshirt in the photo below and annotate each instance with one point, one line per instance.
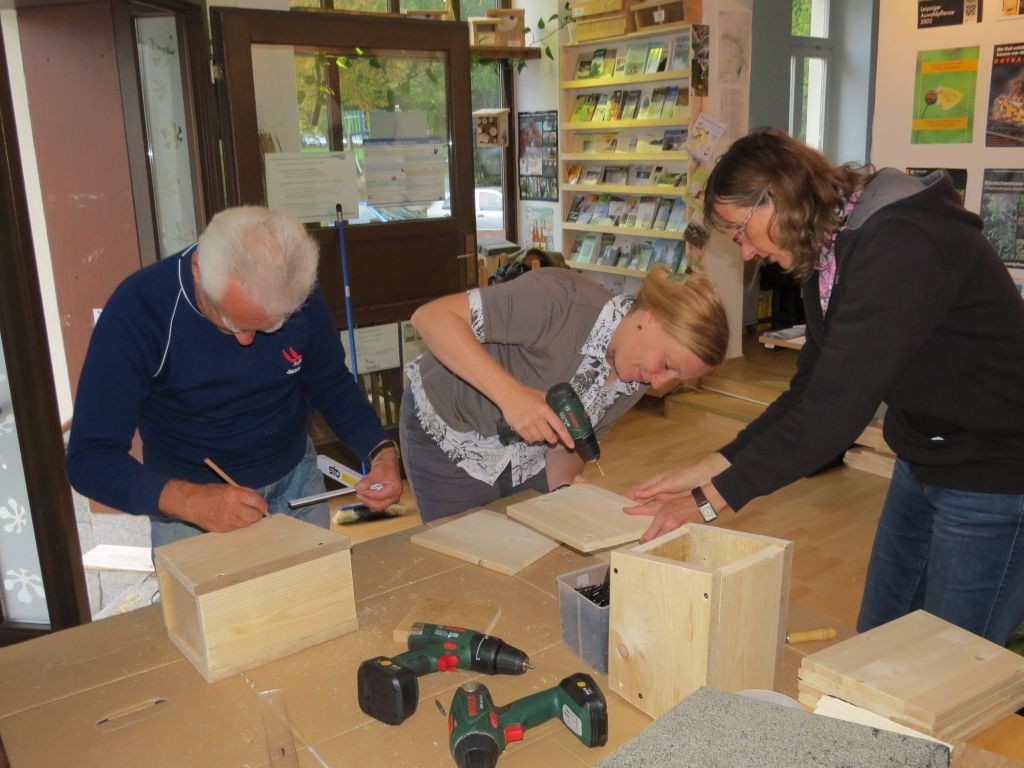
(294, 359)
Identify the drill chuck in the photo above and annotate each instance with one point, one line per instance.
(495, 657)
(476, 750)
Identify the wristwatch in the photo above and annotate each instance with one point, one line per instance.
(704, 506)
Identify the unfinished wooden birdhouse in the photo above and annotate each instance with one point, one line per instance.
(491, 127)
(699, 606)
(233, 601)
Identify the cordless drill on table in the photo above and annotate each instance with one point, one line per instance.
(564, 401)
(479, 730)
(388, 689)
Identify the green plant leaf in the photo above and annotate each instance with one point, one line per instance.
(308, 80)
(375, 63)
(300, 96)
(547, 52)
(540, 23)
(553, 17)
(359, 51)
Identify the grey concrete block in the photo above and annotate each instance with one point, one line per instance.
(712, 729)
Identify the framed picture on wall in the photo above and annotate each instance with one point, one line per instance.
(538, 155)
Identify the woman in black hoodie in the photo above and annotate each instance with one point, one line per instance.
(908, 304)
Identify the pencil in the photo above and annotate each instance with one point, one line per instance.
(220, 472)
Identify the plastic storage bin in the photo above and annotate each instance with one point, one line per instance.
(584, 624)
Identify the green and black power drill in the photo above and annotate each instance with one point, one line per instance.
(564, 401)
(388, 689)
(479, 730)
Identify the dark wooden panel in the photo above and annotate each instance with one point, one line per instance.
(74, 96)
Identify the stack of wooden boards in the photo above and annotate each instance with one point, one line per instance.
(922, 672)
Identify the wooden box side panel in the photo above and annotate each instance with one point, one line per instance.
(181, 617)
(273, 615)
(659, 629)
(749, 621)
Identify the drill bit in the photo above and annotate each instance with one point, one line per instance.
(599, 467)
(440, 708)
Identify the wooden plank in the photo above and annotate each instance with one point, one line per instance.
(487, 539)
(922, 671)
(439, 610)
(870, 460)
(585, 517)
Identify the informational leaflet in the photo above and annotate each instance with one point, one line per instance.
(944, 92)
(957, 175)
(1002, 213)
(377, 348)
(311, 184)
(1006, 97)
(947, 13)
(408, 170)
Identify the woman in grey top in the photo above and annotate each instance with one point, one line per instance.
(494, 352)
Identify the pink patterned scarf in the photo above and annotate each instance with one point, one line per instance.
(827, 257)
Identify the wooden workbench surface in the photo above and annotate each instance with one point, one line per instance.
(319, 683)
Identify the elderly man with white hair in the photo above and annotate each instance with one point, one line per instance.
(218, 352)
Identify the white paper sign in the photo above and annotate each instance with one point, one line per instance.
(310, 184)
(377, 348)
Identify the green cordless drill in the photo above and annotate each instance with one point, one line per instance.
(388, 689)
(479, 730)
(564, 401)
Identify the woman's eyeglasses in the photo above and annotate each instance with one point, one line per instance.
(737, 236)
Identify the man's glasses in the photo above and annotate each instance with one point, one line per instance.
(737, 236)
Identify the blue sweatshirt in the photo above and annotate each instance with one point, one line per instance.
(156, 364)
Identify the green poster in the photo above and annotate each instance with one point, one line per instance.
(944, 92)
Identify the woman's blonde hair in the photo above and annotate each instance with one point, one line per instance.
(689, 309)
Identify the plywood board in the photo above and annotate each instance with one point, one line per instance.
(440, 610)
(921, 671)
(488, 539)
(583, 516)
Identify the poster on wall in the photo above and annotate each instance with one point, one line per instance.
(540, 223)
(947, 13)
(538, 155)
(1002, 213)
(1006, 97)
(1010, 9)
(957, 175)
(700, 62)
(944, 92)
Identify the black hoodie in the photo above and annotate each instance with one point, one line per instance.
(923, 316)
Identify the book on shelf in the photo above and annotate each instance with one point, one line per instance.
(599, 142)
(615, 105)
(629, 145)
(669, 107)
(630, 104)
(583, 67)
(572, 172)
(649, 141)
(640, 175)
(585, 255)
(583, 108)
(676, 216)
(625, 256)
(629, 218)
(608, 65)
(655, 58)
(645, 212)
(615, 174)
(636, 59)
(597, 62)
(587, 209)
(669, 178)
(644, 110)
(681, 52)
(601, 110)
(642, 255)
(575, 209)
(620, 63)
(609, 255)
(657, 102)
(669, 253)
(574, 251)
(592, 174)
(661, 216)
(601, 217)
(673, 139)
(617, 207)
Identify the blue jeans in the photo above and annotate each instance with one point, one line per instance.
(958, 555)
(303, 480)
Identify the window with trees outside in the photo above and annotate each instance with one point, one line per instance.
(811, 52)
(326, 125)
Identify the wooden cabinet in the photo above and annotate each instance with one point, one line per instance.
(625, 116)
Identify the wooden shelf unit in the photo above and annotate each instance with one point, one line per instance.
(634, 157)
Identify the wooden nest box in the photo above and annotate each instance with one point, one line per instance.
(233, 601)
(698, 606)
